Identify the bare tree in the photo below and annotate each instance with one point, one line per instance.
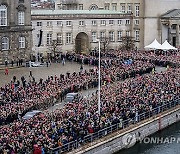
(128, 43)
(54, 47)
(104, 43)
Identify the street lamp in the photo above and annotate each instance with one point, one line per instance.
(99, 79)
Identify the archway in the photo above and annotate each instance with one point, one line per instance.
(82, 43)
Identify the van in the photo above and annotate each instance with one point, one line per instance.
(71, 96)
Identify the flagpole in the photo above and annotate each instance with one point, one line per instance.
(99, 79)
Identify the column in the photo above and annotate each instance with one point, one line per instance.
(169, 34)
(177, 35)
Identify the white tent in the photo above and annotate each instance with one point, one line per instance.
(167, 46)
(154, 45)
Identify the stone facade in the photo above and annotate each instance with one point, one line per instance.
(81, 21)
(15, 30)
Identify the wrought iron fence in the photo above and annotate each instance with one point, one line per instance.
(121, 125)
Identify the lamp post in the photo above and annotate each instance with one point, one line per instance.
(99, 79)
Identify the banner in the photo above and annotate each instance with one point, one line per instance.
(40, 38)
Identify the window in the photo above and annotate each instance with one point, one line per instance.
(137, 10)
(123, 9)
(20, 18)
(94, 22)
(119, 35)
(111, 36)
(49, 23)
(136, 22)
(103, 22)
(119, 22)
(94, 37)
(111, 22)
(127, 22)
(68, 38)
(102, 35)
(39, 23)
(5, 43)
(80, 6)
(114, 6)
(68, 23)
(21, 42)
(59, 38)
(59, 23)
(3, 15)
(127, 33)
(49, 39)
(129, 8)
(106, 6)
(137, 35)
(81, 23)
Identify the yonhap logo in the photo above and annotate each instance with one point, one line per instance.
(128, 140)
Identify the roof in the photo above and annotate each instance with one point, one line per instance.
(172, 13)
(57, 12)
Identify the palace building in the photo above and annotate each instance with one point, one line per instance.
(77, 25)
(15, 30)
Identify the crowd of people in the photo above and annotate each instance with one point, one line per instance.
(16, 99)
(119, 101)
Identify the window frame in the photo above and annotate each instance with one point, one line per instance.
(5, 43)
(103, 22)
(22, 42)
(68, 23)
(68, 38)
(94, 22)
(111, 36)
(111, 22)
(3, 15)
(59, 38)
(94, 36)
(119, 35)
(21, 18)
(48, 39)
(137, 35)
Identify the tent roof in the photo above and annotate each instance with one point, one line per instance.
(154, 45)
(167, 46)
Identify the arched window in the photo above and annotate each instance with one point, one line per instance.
(93, 7)
(20, 18)
(5, 43)
(3, 15)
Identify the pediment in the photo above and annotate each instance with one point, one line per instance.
(21, 7)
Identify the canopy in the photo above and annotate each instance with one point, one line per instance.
(167, 46)
(154, 45)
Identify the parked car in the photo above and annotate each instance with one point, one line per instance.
(31, 114)
(71, 96)
(36, 64)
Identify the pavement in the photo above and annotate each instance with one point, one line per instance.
(2, 67)
(39, 72)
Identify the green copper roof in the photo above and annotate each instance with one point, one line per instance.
(58, 12)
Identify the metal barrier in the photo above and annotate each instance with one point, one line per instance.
(108, 130)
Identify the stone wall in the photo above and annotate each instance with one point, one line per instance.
(114, 143)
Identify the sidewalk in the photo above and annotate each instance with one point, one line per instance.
(2, 67)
